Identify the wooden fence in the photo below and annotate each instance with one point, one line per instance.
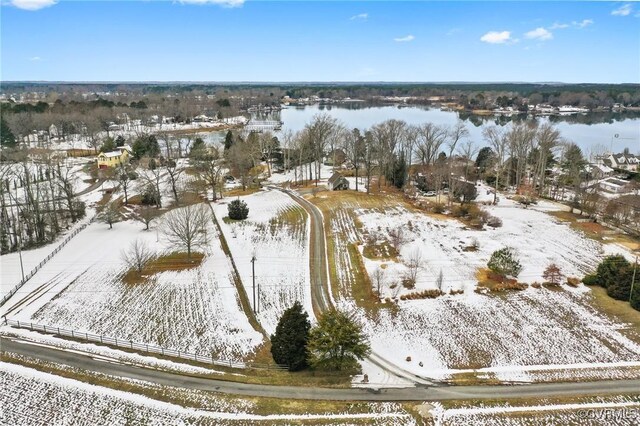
(138, 347)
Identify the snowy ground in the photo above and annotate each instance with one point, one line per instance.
(30, 397)
(618, 410)
(277, 232)
(195, 310)
(506, 335)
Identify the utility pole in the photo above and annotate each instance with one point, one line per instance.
(633, 278)
(253, 275)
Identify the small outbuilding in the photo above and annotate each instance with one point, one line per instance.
(337, 182)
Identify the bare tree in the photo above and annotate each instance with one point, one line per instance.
(110, 214)
(388, 136)
(495, 136)
(146, 215)
(378, 279)
(414, 264)
(124, 175)
(187, 227)
(173, 173)
(430, 139)
(209, 167)
(440, 280)
(322, 131)
(397, 238)
(468, 150)
(353, 145)
(137, 256)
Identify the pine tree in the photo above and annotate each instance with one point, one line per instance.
(552, 274)
(228, 140)
(289, 343)
(7, 138)
(238, 210)
(337, 342)
(505, 262)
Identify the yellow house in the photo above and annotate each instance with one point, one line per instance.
(114, 158)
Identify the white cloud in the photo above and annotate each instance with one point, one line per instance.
(33, 4)
(223, 3)
(539, 34)
(453, 31)
(582, 24)
(558, 26)
(497, 37)
(35, 58)
(361, 16)
(623, 10)
(404, 39)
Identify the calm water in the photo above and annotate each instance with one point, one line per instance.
(585, 130)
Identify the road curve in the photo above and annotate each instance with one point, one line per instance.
(438, 393)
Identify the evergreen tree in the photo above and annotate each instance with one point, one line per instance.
(635, 297)
(608, 272)
(228, 140)
(289, 343)
(505, 262)
(337, 342)
(484, 159)
(7, 138)
(238, 210)
(198, 149)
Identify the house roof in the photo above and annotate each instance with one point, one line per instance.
(335, 178)
(111, 154)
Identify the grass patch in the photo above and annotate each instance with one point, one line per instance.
(338, 210)
(176, 261)
(619, 310)
(597, 231)
(496, 283)
(239, 192)
(380, 251)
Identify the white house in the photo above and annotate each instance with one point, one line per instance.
(624, 161)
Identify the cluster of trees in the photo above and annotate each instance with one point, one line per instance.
(618, 276)
(335, 343)
(385, 152)
(37, 200)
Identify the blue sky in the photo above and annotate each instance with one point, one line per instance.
(320, 41)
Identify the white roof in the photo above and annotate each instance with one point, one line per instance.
(111, 154)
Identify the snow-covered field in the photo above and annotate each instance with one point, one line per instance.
(195, 310)
(30, 397)
(277, 232)
(621, 410)
(502, 334)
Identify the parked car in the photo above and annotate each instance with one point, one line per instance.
(430, 193)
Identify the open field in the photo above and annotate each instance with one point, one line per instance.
(51, 398)
(194, 310)
(531, 335)
(276, 231)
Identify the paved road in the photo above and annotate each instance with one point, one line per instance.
(438, 393)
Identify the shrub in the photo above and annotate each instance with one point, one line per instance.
(505, 262)
(573, 281)
(438, 208)
(494, 222)
(150, 197)
(426, 294)
(238, 210)
(591, 279)
(536, 285)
